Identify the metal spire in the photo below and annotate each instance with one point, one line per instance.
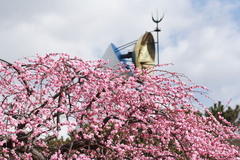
(157, 30)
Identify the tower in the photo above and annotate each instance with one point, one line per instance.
(143, 54)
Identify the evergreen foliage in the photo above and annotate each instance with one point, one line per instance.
(231, 115)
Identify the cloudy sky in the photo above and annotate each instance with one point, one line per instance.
(200, 37)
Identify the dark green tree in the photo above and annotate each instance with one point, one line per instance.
(231, 115)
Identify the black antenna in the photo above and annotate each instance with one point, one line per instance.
(157, 30)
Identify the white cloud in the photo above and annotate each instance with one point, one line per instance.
(200, 37)
(208, 52)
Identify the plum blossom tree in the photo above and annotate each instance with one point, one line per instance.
(138, 117)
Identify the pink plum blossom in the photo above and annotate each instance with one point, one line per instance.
(112, 115)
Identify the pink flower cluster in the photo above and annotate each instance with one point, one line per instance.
(119, 117)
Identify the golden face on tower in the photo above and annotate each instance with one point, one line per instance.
(144, 52)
